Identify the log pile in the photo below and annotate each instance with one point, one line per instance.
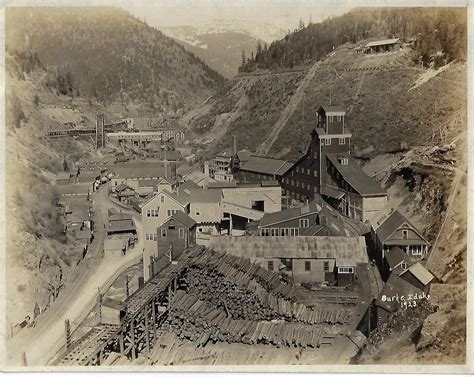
(252, 292)
(237, 301)
(196, 321)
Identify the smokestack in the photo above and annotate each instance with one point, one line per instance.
(206, 168)
(234, 139)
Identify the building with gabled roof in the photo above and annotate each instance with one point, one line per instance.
(418, 276)
(305, 259)
(316, 218)
(397, 261)
(259, 168)
(384, 45)
(390, 228)
(327, 169)
(176, 234)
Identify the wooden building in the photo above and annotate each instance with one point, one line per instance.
(389, 229)
(305, 259)
(176, 234)
(385, 45)
(327, 169)
(253, 169)
(418, 276)
(316, 218)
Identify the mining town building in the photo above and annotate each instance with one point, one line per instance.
(384, 45)
(316, 218)
(176, 234)
(328, 169)
(391, 229)
(305, 259)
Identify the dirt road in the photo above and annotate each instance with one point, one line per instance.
(35, 346)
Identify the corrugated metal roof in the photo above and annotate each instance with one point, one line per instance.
(356, 177)
(265, 165)
(76, 189)
(421, 273)
(205, 196)
(383, 42)
(348, 251)
(121, 226)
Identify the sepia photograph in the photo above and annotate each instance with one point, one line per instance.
(265, 185)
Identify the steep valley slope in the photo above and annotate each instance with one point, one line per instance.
(65, 65)
(408, 127)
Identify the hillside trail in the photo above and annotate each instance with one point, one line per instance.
(288, 112)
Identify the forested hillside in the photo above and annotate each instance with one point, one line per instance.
(440, 34)
(67, 64)
(105, 54)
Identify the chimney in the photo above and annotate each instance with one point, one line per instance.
(234, 139)
(206, 168)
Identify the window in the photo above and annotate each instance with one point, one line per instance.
(297, 184)
(330, 118)
(148, 213)
(416, 250)
(342, 141)
(308, 187)
(304, 223)
(328, 141)
(162, 198)
(181, 233)
(315, 173)
(277, 232)
(308, 171)
(292, 182)
(307, 265)
(345, 270)
(169, 213)
(405, 234)
(270, 265)
(326, 266)
(197, 211)
(163, 232)
(147, 236)
(297, 169)
(403, 265)
(154, 237)
(315, 155)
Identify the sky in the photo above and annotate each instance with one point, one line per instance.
(284, 14)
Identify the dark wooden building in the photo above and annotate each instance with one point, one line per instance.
(316, 218)
(327, 169)
(173, 237)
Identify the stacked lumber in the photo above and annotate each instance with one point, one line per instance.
(243, 288)
(194, 320)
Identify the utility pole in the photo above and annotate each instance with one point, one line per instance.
(67, 327)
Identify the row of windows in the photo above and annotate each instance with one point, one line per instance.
(152, 212)
(328, 141)
(276, 232)
(307, 266)
(335, 118)
(164, 234)
(307, 171)
(150, 237)
(345, 270)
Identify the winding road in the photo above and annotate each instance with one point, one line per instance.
(35, 346)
